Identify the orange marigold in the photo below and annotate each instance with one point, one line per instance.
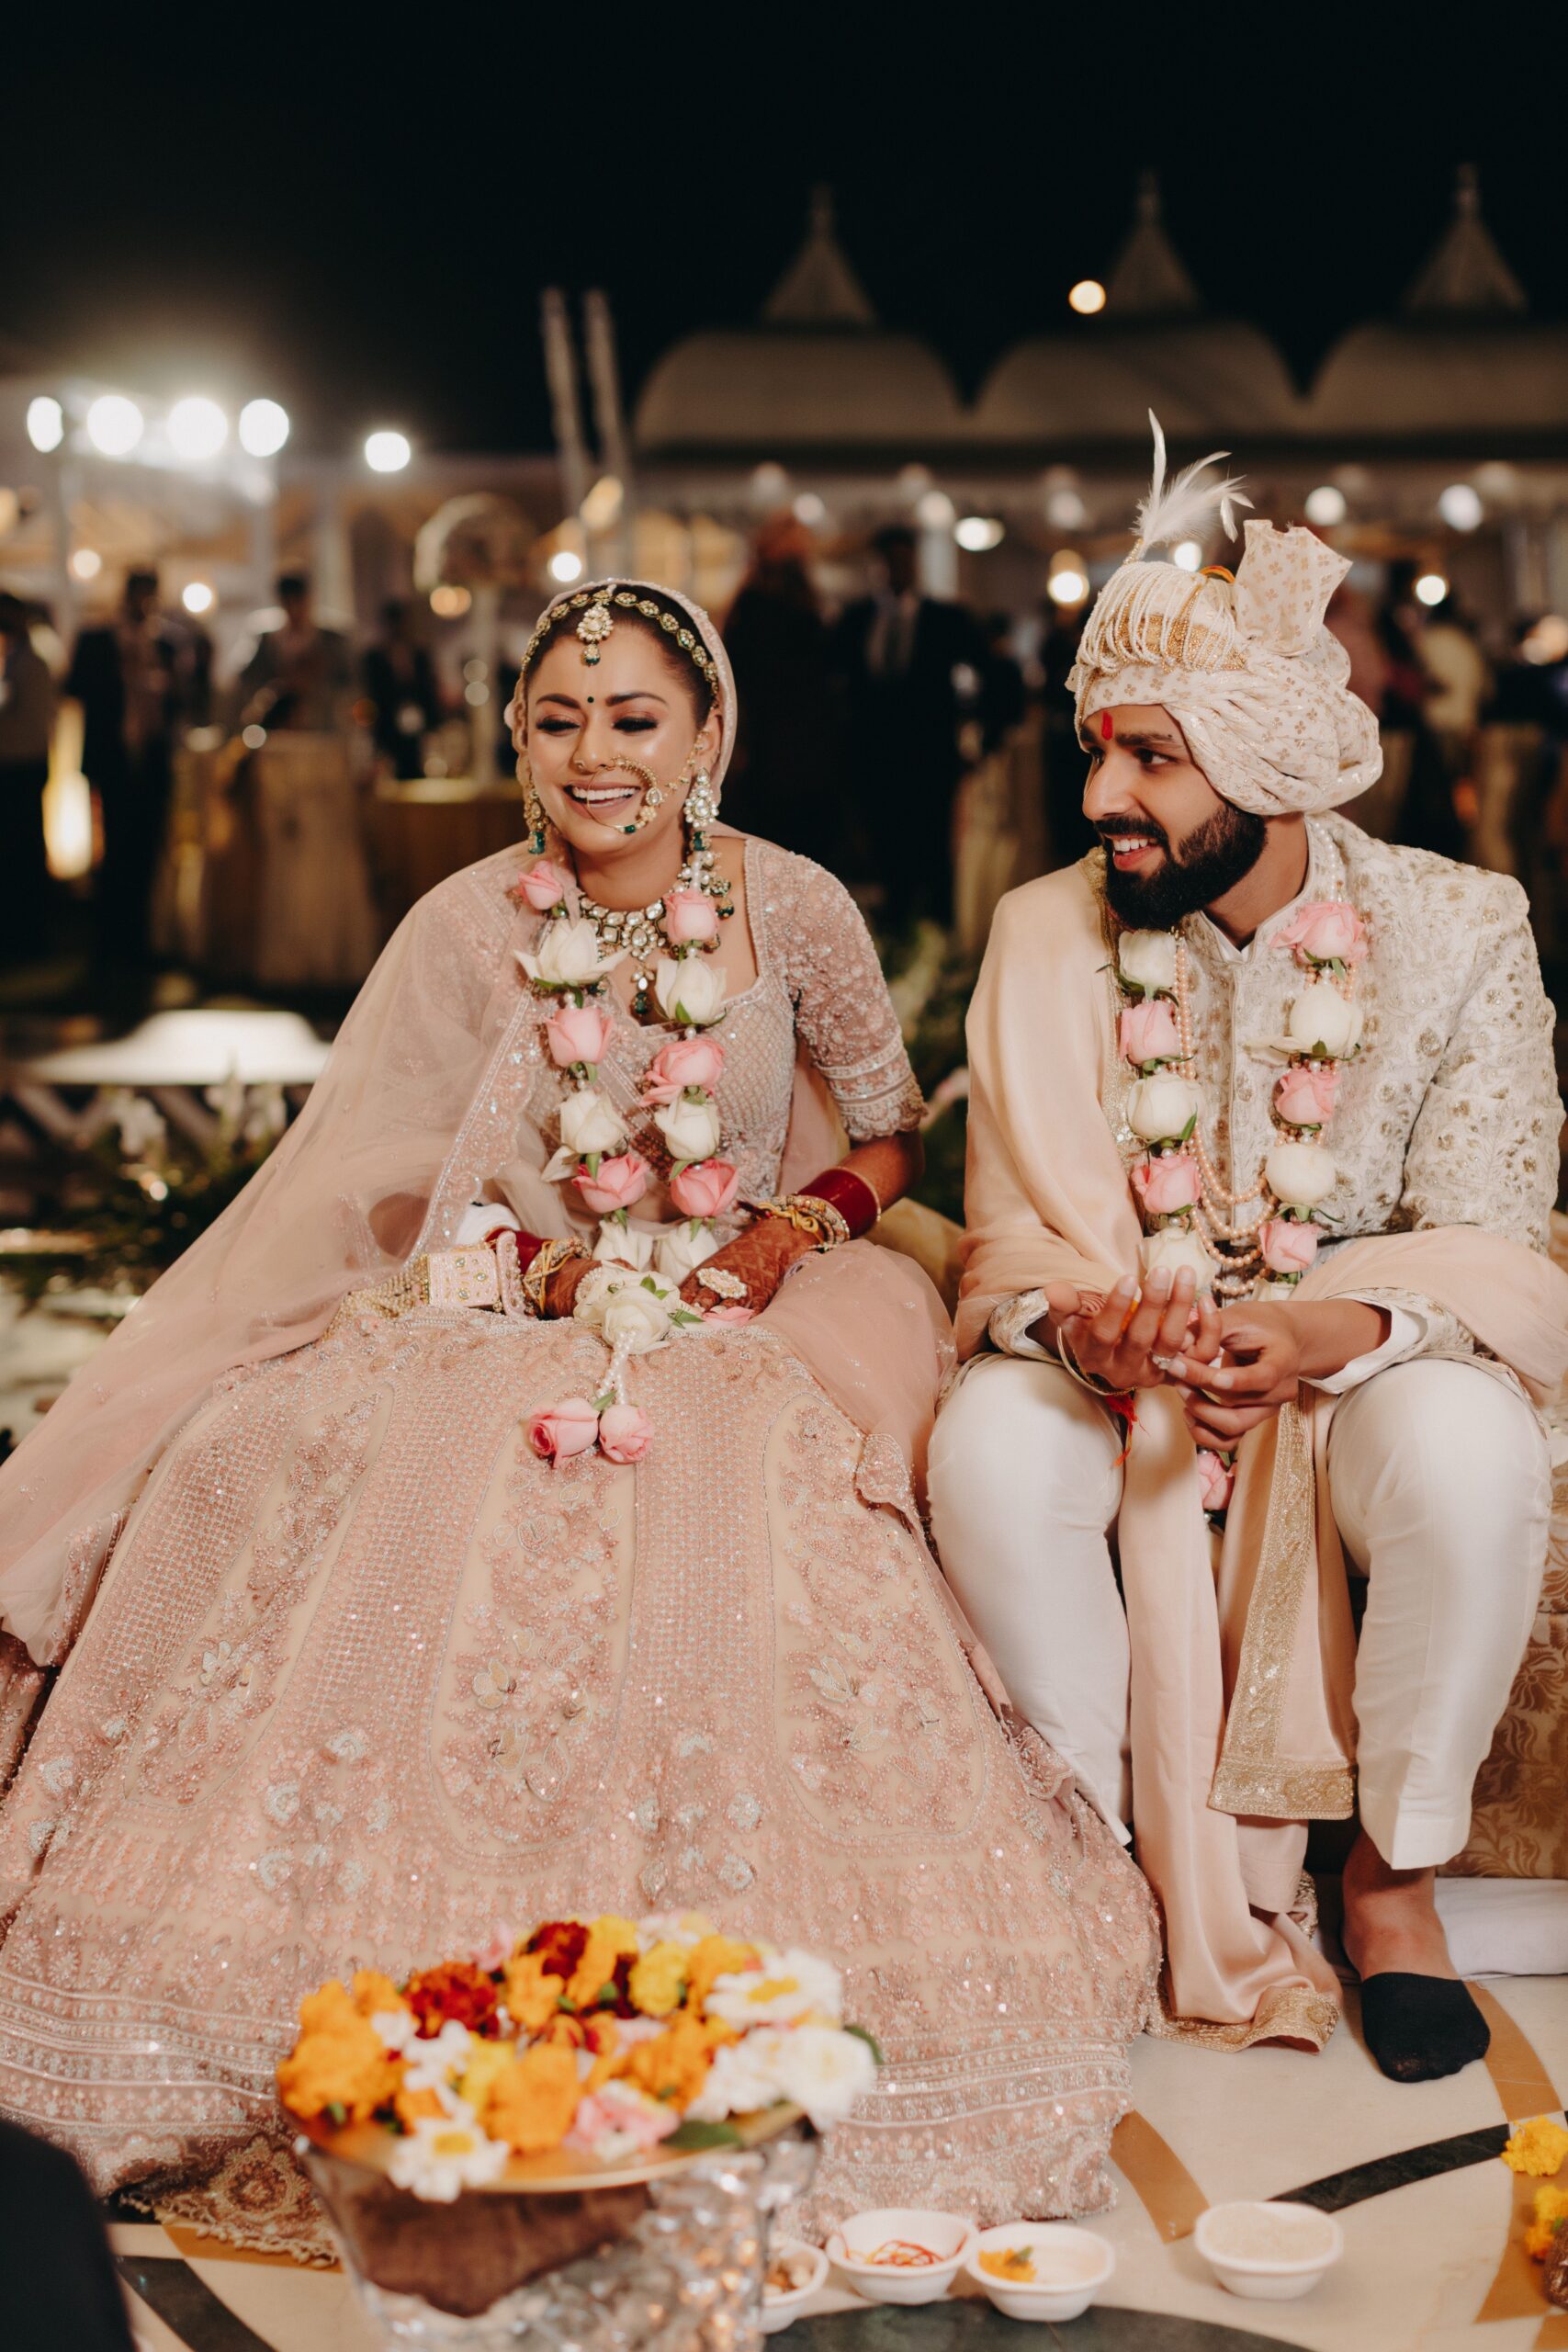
(376, 1995)
(715, 1956)
(339, 2060)
(532, 1990)
(608, 1939)
(674, 2066)
(412, 2106)
(531, 2106)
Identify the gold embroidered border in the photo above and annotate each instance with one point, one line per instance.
(1253, 1778)
(1289, 2013)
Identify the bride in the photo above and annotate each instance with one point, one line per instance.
(508, 1510)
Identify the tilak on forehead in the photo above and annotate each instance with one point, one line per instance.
(1257, 683)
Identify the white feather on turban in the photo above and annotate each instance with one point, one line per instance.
(1256, 683)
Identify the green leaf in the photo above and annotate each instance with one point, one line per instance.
(870, 2041)
(1187, 1130)
(335, 2112)
(592, 1162)
(688, 2135)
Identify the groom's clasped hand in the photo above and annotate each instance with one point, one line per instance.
(1232, 1367)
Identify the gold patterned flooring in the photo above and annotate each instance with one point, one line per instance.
(1433, 2223)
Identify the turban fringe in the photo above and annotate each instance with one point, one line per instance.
(1256, 682)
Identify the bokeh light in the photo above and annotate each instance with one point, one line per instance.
(1459, 506)
(264, 429)
(448, 602)
(115, 424)
(978, 534)
(46, 423)
(565, 566)
(809, 509)
(1325, 505)
(198, 428)
(1187, 555)
(1086, 297)
(198, 597)
(1431, 588)
(86, 563)
(934, 511)
(1068, 581)
(387, 453)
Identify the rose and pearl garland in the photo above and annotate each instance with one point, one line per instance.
(632, 1300)
(1190, 1213)
(1193, 1219)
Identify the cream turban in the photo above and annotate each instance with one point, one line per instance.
(1258, 685)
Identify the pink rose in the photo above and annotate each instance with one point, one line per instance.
(1148, 1034)
(569, 1428)
(616, 2108)
(625, 1433)
(1216, 1477)
(620, 1183)
(1166, 1183)
(1288, 1245)
(689, 1061)
(544, 885)
(1304, 1096)
(1327, 932)
(732, 1314)
(577, 1033)
(691, 918)
(705, 1188)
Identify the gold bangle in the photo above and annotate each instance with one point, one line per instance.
(819, 1219)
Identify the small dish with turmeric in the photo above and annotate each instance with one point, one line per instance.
(1040, 2271)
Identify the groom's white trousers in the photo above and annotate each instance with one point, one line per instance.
(1441, 1486)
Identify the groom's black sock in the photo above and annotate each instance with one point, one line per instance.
(1420, 2027)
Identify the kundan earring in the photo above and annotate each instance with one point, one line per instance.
(532, 806)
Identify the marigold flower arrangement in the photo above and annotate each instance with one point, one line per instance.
(605, 2038)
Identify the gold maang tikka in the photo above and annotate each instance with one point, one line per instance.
(593, 628)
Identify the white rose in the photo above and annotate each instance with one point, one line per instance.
(1301, 1174)
(691, 1129)
(589, 1123)
(1321, 1017)
(568, 957)
(1146, 960)
(790, 1986)
(1158, 1109)
(690, 991)
(623, 1245)
(1171, 1249)
(820, 2068)
(738, 2082)
(625, 1307)
(681, 1252)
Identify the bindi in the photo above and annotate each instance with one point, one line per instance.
(1106, 729)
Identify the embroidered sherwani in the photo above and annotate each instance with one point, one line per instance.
(1428, 1475)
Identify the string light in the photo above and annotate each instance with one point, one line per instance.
(198, 428)
(264, 429)
(115, 424)
(46, 423)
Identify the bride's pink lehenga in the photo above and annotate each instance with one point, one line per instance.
(365, 1681)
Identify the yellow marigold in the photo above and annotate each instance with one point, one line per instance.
(532, 2105)
(674, 2066)
(658, 1978)
(1550, 2207)
(1536, 2147)
(530, 1992)
(608, 2058)
(715, 1956)
(376, 1995)
(608, 1937)
(488, 2061)
(338, 2060)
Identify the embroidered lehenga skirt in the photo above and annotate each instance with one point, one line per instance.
(366, 1683)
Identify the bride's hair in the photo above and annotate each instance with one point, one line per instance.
(671, 630)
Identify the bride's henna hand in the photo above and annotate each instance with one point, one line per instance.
(760, 1256)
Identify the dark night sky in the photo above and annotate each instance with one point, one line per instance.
(356, 217)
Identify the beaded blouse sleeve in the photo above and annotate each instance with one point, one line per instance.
(843, 1011)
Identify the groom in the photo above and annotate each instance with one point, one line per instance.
(1262, 1155)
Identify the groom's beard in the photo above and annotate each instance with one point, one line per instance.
(1214, 858)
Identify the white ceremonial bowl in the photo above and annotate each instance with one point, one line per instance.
(1267, 2277)
(1075, 2265)
(950, 2235)
(780, 2311)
